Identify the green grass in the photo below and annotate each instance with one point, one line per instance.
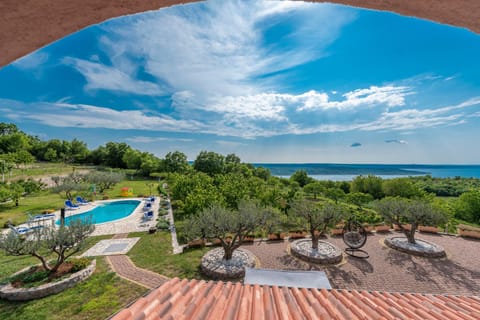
(44, 169)
(34, 204)
(140, 187)
(154, 252)
(103, 294)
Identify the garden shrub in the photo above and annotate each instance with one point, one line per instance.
(79, 264)
(35, 276)
(163, 224)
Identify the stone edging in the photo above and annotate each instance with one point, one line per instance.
(436, 251)
(8, 292)
(216, 268)
(298, 249)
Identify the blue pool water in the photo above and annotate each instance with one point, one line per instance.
(106, 212)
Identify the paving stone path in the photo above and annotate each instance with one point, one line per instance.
(125, 268)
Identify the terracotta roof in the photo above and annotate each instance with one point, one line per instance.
(193, 299)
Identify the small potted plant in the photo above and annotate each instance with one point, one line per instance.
(368, 228)
(196, 243)
(468, 231)
(428, 229)
(277, 234)
(249, 238)
(407, 226)
(382, 227)
(297, 234)
(337, 230)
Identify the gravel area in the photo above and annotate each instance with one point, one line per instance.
(214, 266)
(388, 269)
(325, 254)
(420, 247)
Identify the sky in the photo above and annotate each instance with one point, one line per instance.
(271, 81)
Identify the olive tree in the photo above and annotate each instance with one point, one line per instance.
(104, 180)
(68, 186)
(317, 217)
(402, 211)
(314, 188)
(358, 198)
(63, 242)
(230, 227)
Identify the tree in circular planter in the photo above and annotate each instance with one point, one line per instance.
(317, 217)
(63, 242)
(401, 211)
(230, 227)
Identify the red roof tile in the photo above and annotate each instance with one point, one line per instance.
(194, 299)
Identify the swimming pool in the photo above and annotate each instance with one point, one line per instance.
(106, 212)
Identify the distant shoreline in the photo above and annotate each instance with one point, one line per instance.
(393, 170)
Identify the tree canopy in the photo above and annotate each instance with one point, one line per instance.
(402, 211)
(317, 217)
(230, 227)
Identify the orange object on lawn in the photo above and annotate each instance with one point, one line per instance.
(126, 192)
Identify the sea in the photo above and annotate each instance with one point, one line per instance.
(347, 172)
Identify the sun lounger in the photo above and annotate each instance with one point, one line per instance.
(148, 215)
(69, 205)
(148, 206)
(41, 217)
(24, 230)
(81, 201)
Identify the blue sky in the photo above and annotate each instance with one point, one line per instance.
(272, 81)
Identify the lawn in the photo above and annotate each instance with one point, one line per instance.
(140, 187)
(34, 204)
(154, 252)
(103, 294)
(40, 169)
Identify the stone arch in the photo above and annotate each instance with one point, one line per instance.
(28, 25)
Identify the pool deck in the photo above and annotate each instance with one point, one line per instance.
(133, 223)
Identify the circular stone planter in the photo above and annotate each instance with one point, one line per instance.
(420, 248)
(327, 253)
(214, 266)
(8, 292)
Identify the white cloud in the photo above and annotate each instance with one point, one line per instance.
(392, 96)
(409, 119)
(235, 124)
(216, 47)
(31, 61)
(274, 106)
(102, 77)
(143, 139)
(396, 141)
(87, 116)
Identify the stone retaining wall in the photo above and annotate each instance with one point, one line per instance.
(8, 292)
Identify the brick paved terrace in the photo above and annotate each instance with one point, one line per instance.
(388, 269)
